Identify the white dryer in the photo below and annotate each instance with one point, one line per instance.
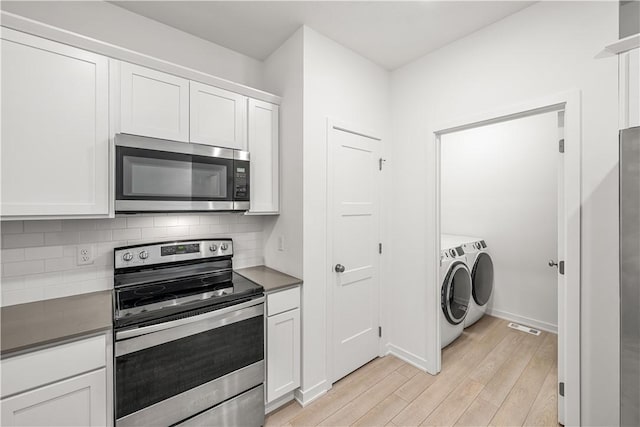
(455, 293)
(481, 266)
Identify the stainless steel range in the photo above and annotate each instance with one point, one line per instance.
(189, 337)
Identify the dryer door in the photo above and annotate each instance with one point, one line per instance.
(456, 293)
(482, 277)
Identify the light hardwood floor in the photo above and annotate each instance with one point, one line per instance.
(492, 375)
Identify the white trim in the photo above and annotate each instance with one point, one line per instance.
(46, 31)
(526, 321)
(281, 401)
(623, 45)
(523, 109)
(570, 102)
(408, 357)
(329, 254)
(305, 397)
(434, 349)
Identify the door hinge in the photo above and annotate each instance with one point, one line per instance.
(380, 331)
(561, 267)
(561, 145)
(380, 162)
(379, 248)
(561, 389)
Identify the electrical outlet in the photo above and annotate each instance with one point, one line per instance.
(281, 243)
(85, 255)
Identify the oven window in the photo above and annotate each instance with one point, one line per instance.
(156, 175)
(154, 374)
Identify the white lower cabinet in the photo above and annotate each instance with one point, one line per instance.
(64, 385)
(77, 401)
(283, 343)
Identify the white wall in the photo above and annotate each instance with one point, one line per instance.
(544, 49)
(39, 257)
(499, 182)
(112, 24)
(283, 75)
(344, 86)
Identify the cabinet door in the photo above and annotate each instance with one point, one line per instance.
(55, 128)
(77, 401)
(153, 103)
(218, 117)
(264, 149)
(283, 353)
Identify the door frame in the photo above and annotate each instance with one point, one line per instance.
(329, 286)
(570, 102)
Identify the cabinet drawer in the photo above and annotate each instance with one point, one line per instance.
(281, 301)
(78, 401)
(30, 370)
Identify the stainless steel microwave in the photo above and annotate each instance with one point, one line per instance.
(156, 175)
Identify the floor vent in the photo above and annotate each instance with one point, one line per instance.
(524, 329)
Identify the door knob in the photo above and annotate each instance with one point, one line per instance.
(339, 268)
(552, 263)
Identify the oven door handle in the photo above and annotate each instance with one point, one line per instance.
(132, 340)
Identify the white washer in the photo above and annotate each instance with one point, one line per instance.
(480, 264)
(455, 293)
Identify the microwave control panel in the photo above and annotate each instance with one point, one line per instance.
(241, 180)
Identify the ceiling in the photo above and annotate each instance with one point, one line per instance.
(389, 33)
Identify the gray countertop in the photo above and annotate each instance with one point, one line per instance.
(268, 278)
(31, 325)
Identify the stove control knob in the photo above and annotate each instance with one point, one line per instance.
(213, 248)
(224, 246)
(143, 255)
(127, 256)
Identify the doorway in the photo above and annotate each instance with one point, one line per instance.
(565, 109)
(353, 229)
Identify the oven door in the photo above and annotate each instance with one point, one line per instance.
(154, 175)
(171, 371)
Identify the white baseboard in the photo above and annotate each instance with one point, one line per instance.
(407, 356)
(281, 401)
(304, 397)
(538, 324)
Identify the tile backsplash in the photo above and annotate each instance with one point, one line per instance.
(38, 258)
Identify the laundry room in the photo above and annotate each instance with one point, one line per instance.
(499, 188)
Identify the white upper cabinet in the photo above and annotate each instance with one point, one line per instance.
(263, 148)
(153, 103)
(55, 129)
(218, 117)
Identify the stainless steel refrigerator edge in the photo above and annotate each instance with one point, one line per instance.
(630, 277)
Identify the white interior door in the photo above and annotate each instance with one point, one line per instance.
(354, 228)
(562, 291)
